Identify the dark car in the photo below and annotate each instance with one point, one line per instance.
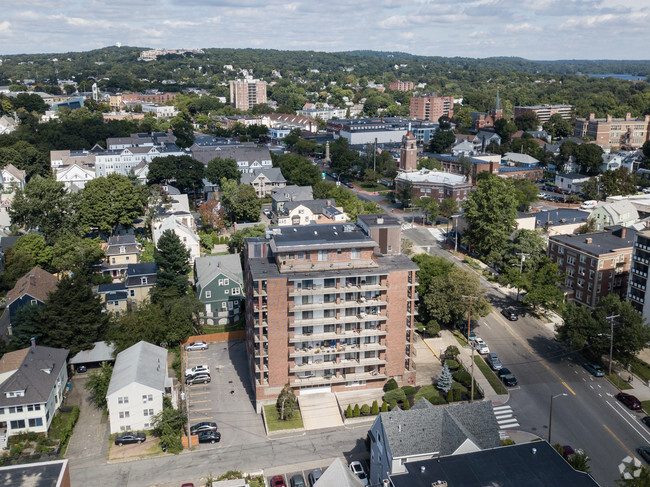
(644, 451)
(629, 400)
(128, 438)
(646, 421)
(81, 369)
(568, 452)
(209, 437)
(203, 426)
(511, 315)
(594, 369)
(198, 379)
(297, 481)
(277, 481)
(314, 475)
(507, 377)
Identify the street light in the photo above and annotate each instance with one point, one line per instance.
(550, 416)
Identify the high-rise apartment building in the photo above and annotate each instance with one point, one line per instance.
(400, 85)
(246, 93)
(608, 132)
(431, 107)
(638, 282)
(545, 112)
(329, 308)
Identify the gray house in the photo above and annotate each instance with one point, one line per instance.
(264, 181)
(426, 431)
(220, 287)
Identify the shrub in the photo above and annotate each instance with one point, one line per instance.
(348, 411)
(451, 352)
(357, 411)
(396, 395)
(406, 406)
(457, 385)
(384, 407)
(392, 405)
(437, 400)
(463, 377)
(507, 441)
(365, 410)
(375, 408)
(458, 394)
(426, 392)
(450, 395)
(452, 364)
(390, 385)
(409, 390)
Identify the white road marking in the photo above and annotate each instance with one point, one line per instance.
(503, 416)
(591, 386)
(623, 417)
(498, 408)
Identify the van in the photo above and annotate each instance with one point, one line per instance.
(589, 205)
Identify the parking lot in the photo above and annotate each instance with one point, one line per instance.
(233, 412)
(305, 473)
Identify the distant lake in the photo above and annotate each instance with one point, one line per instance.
(625, 77)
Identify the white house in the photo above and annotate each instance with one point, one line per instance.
(178, 218)
(12, 178)
(75, 175)
(32, 383)
(138, 384)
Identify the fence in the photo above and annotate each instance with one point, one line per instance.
(217, 337)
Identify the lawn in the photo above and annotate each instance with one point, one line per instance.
(619, 382)
(373, 187)
(491, 377)
(274, 424)
(207, 329)
(641, 369)
(646, 407)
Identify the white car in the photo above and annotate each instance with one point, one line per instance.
(197, 369)
(357, 469)
(481, 346)
(196, 346)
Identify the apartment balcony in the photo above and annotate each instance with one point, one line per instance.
(338, 349)
(257, 293)
(642, 260)
(258, 308)
(261, 353)
(352, 303)
(358, 318)
(366, 332)
(257, 323)
(323, 365)
(638, 299)
(260, 369)
(323, 266)
(314, 289)
(262, 339)
(638, 272)
(314, 380)
(637, 285)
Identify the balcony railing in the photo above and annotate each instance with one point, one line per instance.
(338, 349)
(333, 379)
(359, 318)
(324, 365)
(320, 289)
(352, 303)
(332, 335)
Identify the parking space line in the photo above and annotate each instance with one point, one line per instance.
(196, 402)
(200, 392)
(196, 410)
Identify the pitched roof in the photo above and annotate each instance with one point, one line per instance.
(142, 269)
(240, 153)
(439, 429)
(519, 158)
(15, 172)
(12, 360)
(36, 375)
(101, 352)
(36, 283)
(142, 363)
(338, 475)
(293, 193)
(209, 267)
(274, 174)
(620, 211)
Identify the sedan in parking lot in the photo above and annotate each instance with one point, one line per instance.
(357, 469)
(277, 481)
(196, 346)
(198, 379)
(197, 370)
(209, 437)
(203, 426)
(507, 377)
(481, 346)
(297, 481)
(629, 400)
(594, 369)
(314, 475)
(493, 360)
(644, 451)
(128, 438)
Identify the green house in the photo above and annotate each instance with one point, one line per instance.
(220, 287)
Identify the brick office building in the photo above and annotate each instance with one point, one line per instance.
(329, 309)
(608, 132)
(431, 107)
(595, 264)
(400, 85)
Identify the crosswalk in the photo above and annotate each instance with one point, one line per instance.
(505, 417)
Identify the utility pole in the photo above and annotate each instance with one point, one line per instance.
(469, 312)
(521, 269)
(611, 319)
(471, 397)
(374, 157)
(550, 414)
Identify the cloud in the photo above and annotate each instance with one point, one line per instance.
(180, 23)
(5, 27)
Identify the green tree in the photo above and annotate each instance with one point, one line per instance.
(36, 246)
(110, 201)
(451, 352)
(168, 425)
(490, 212)
(286, 403)
(558, 127)
(183, 130)
(97, 384)
(580, 461)
(527, 121)
(444, 380)
(404, 194)
(589, 157)
(505, 129)
(219, 169)
(618, 182)
(525, 191)
(356, 412)
(172, 259)
(73, 252)
(375, 408)
(236, 240)
(305, 147)
(348, 411)
(293, 137)
(448, 207)
(429, 207)
(240, 201)
(384, 407)
(184, 171)
(543, 285)
(25, 156)
(645, 148)
(441, 141)
(297, 169)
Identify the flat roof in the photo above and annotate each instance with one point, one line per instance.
(42, 474)
(599, 243)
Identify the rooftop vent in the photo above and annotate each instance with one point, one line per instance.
(380, 220)
(588, 240)
(422, 468)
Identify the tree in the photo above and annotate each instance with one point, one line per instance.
(384, 407)
(213, 215)
(44, 205)
(36, 246)
(451, 352)
(110, 201)
(374, 410)
(97, 384)
(236, 240)
(429, 163)
(505, 129)
(527, 121)
(448, 207)
(404, 193)
(286, 403)
(645, 148)
(557, 127)
(429, 208)
(293, 138)
(444, 123)
(543, 285)
(240, 201)
(490, 212)
(304, 147)
(441, 141)
(25, 156)
(219, 169)
(185, 171)
(590, 158)
(72, 252)
(297, 169)
(580, 461)
(444, 380)
(172, 259)
(618, 182)
(168, 425)
(183, 131)
(525, 191)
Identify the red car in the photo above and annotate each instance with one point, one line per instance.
(278, 481)
(629, 400)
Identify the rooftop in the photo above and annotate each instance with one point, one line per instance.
(432, 176)
(142, 363)
(42, 474)
(343, 235)
(612, 240)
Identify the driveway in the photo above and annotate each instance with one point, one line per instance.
(89, 441)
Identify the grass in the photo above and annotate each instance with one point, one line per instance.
(619, 382)
(641, 369)
(274, 423)
(494, 381)
(646, 407)
(373, 187)
(206, 329)
(460, 338)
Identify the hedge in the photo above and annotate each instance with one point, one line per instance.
(452, 364)
(390, 385)
(409, 390)
(396, 395)
(463, 377)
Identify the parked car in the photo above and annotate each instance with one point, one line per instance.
(646, 421)
(314, 475)
(507, 377)
(209, 437)
(481, 346)
(568, 453)
(203, 426)
(629, 400)
(198, 379)
(81, 369)
(493, 361)
(128, 438)
(197, 370)
(277, 481)
(644, 451)
(297, 481)
(511, 315)
(594, 369)
(357, 469)
(196, 346)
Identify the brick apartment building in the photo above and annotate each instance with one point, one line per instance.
(489, 163)
(608, 132)
(116, 101)
(545, 112)
(595, 264)
(431, 107)
(401, 85)
(328, 308)
(638, 281)
(246, 93)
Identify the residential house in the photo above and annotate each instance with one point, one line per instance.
(12, 178)
(338, 474)
(517, 159)
(308, 212)
(31, 289)
(5, 219)
(75, 175)
(48, 474)
(220, 287)
(425, 432)
(248, 157)
(121, 250)
(463, 147)
(32, 383)
(114, 296)
(176, 216)
(290, 193)
(7, 124)
(264, 181)
(571, 182)
(138, 384)
(138, 281)
(621, 212)
(594, 264)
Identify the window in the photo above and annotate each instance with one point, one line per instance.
(123, 400)
(208, 294)
(143, 280)
(122, 250)
(235, 291)
(147, 397)
(226, 291)
(322, 255)
(132, 293)
(2, 410)
(35, 422)
(19, 409)
(355, 253)
(583, 259)
(560, 250)
(112, 260)
(226, 282)
(570, 260)
(125, 428)
(147, 426)
(18, 424)
(124, 414)
(578, 294)
(147, 412)
(224, 305)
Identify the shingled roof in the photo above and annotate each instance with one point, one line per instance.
(37, 283)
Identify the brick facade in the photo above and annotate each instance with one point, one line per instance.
(625, 132)
(431, 107)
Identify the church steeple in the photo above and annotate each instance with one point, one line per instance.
(408, 161)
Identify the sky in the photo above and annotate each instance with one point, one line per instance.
(532, 29)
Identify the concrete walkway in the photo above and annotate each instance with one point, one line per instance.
(319, 411)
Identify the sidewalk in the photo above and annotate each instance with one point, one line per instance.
(438, 346)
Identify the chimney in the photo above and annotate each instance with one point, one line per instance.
(592, 116)
(628, 116)
(380, 220)
(32, 280)
(588, 240)
(608, 118)
(33, 339)
(219, 264)
(623, 232)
